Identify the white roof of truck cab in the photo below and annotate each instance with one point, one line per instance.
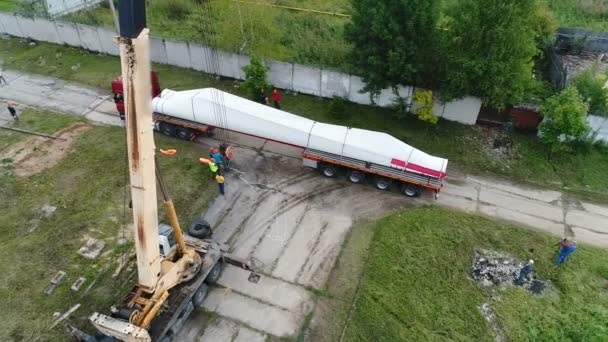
(220, 109)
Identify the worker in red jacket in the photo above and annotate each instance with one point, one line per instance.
(276, 98)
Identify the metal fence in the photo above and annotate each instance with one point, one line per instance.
(296, 77)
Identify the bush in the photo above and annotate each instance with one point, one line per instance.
(590, 85)
(564, 127)
(424, 103)
(337, 108)
(175, 9)
(255, 75)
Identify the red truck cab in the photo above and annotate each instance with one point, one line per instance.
(117, 91)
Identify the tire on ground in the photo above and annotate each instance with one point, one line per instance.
(410, 190)
(184, 133)
(200, 229)
(356, 177)
(200, 295)
(167, 129)
(215, 273)
(383, 184)
(329, 170)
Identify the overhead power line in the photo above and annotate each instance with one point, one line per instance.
(294, 8)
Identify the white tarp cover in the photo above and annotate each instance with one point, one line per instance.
(220, 109)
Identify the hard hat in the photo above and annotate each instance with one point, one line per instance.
(203, 161)
(531, 261)
(169, 152)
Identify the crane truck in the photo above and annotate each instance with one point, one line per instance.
(173, 269)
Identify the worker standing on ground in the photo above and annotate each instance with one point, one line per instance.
(262, 97)
(276, 98)
(12, 110)
(220, 182)
(566, 248)
(525, 272)
(212, 166)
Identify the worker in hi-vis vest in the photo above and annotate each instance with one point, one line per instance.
(220, 182)
(212, 166)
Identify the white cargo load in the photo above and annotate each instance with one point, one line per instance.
(223, 110)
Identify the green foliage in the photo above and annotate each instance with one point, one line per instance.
(591, 86)
(337, 108)
(395, 42)
(489, 50)
(424, 104)
(255, 75)
(564, 120)
(175, 9)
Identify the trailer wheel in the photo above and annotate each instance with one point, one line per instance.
(167, 338)
(185, 134)
(200, 229)
(167, 129)
(382, 184)
(329, 171)
(409, 190)
(356, 177)
(215, 273)
(200, 295)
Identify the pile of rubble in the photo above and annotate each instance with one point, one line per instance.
(495, 270)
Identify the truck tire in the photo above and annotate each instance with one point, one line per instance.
(167, 129)
(356, 177)
(184, 133)
(329, 171)
(200, 295)
(382, 184)
(409, 190)
(215, 273)
(166, 338)
(200, 229)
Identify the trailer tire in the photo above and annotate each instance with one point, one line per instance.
(215, 273)
(382, 184)
(200, 229)
(185, 134)
(329, 171)
(356, 177)
(167, 129)
(200, 295)
(409, 190)
(167, 338)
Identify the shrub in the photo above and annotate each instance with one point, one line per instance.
(590, 85)
(424, 103)
(337, 108)
(255, 75)
(175, 9)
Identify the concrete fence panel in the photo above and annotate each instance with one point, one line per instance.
(307, 79)
(599, 126)
(177, 54)
(355, 95)
(244, 60)
(334, 84)
(280, 74)
(89, 38)
(387, 97)
(463, 110)
(47, 31)
(28, 28)
(11, 27)
(68, 33)
(228, 64)
(107, 41)
(198, 57)
(158, 52)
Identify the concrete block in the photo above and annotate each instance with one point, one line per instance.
(91, 248)
(106, 41)
(89, 39)
(199, 58)
(177, 54)
(68, 33)
(463, 110)
(307, 80)
(47, 31)
(9, 24)
(158, 53)
(28, 28)
(334, 84)
(354, 94)
(78, 283)
(280, 74)
(55, 281)
(229, 64)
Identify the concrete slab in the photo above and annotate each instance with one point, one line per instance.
(258, 315)
(248, 335)
(518, 217)
(590, 237)
(220, 330)
(521, 204)
(595, 209)
(271, 291)
(547, 196)
(586, 220)
(455, 202)
(460, 189)
(105, 119)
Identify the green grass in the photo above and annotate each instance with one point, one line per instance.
(8, 5)
(88, 190)
(585, 14)
(36, 121)
(416, 284)
(467, 147)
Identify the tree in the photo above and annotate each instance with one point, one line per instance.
(591, 86)
(489, 49)
(564, 120)
(424, 101)
(395, 42)
(255, 75)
